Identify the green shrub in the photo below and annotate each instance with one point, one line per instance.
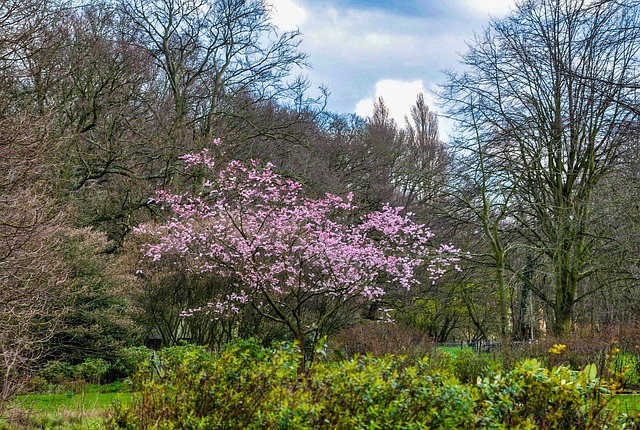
(92, 370)
(251, 387)
(381, 392)
(468, 365)
(129, 360)
(57, 372)
(532, 396)
(439, 361)
(190, 388)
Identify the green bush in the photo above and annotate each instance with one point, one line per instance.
(129, 360)
(190, 388)
(382, 392)
(439, 361)
(92, 370)
(531, 396)
(468, 365)
(57, 372)
(251, 387)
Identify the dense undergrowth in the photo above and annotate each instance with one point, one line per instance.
(251, 387)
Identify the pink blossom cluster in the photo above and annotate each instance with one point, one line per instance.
(254, 225)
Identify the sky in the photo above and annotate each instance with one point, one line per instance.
(363, 49)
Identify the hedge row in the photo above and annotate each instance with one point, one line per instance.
(249, 387)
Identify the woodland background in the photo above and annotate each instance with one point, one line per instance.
(538, 189)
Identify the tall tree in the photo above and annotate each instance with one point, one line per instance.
(214, 53)
(480, 201)
(420, 173)
(547, 88)
(32, 274)
(370, 158)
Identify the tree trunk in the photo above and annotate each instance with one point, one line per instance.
(302, 364)
(524, 324)
(566, 285)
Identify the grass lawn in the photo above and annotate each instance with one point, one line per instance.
(454, 350)
(69, 411)
(627, 403)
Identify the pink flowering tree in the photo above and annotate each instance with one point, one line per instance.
(296, 260)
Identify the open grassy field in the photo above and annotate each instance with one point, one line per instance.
(84, 410)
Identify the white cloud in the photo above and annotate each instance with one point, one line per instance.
(350, 50)
(399, 96)
(495, 8)
(287, 14)
(362, 53)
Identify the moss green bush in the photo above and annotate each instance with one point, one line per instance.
(468, 365)
(190, 388)
(532, 396)
(126, 365)
(57, 372)
(381, 392)
(92, 370)
(247, 386)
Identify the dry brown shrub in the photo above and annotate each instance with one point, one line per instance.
(380, 338)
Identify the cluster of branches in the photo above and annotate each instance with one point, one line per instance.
(32, 277)
(296, 260)
(129, 86)
(547, 109)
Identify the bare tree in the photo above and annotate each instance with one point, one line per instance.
(19, 19)
(32, 275)
(420, 173)
(483, 202)
(558, 133)
(119, 141)
(136, 85)
(368, 160)
(214, 51)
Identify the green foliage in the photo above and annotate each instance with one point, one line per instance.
(57, 372)
(468, 365)
(61, 375)
(382, 392)
(251, 387)
(462, 363)
(96, 324)
(126, 365)
(532, 396)
(92, 370)
(190, 388)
